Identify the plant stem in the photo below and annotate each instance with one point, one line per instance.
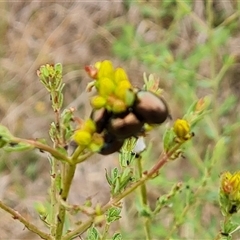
(143, 189)
(70, 170)
(106, 229)
(53, 197)
(153, 171)
(26, 223)
(147, 228)
(76, 153)
(43, 147)
(143, 195)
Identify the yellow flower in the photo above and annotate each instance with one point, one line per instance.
(229, 195)
(118, 106)
(82, 137)
(121, 89)
(105, 69)
(105, 86)
(182, 129)
(89, 126)
(96, 143)
(230, 185)
(120, 75)
(98, 102)
(113, 86)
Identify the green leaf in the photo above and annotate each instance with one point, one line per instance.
(117, 186)
(93, 234)
(168, 139)
(113, 214)
(114, 174)
(58, 67)
(219, 151)
(44, 71)
(130, 98)
(5, 136)
(145, 211)
(108, 178)
(58, 182)
(40, 208)
(117, 236)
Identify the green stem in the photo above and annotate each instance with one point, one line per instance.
(106, 229)
(53, 197)
(147, 228)
(143, 189)
(76, 153)
(83, 157)
(114, 201)
(43, 147)
(70, 170)
(143, 195)
(26, 223)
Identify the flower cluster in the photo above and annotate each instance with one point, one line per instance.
(230, 192)
(115, 92)
(86, 136)
(119, 110)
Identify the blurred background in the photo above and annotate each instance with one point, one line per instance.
(193, 47)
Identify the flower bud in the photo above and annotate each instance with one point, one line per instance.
(120, 75)
(118, 106)
(89, 126)
(98, 102)
(91, 71)
(82, 138)
(229, 195)
(182, 129)
(105, 86)
(106, 69)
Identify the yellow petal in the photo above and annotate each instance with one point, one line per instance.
(98, 102)
(106, 69)
(82, 138)
(120, 75)
(105, 86)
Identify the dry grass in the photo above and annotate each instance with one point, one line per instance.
(35, 33)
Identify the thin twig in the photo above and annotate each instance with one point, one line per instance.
(43, 147)
(16, 215)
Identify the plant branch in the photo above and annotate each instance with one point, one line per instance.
(114, 201)
(143, 190)
(53, 195)
(26, 223)
(70, 170)
(43, 147)
(143, 195)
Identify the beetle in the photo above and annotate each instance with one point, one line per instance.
(111, 144)
(125, 127)
(150, 108)
(100, 117)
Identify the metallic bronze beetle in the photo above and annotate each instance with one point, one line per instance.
(100, 117)
(150, 108)
(111, 144)
(125, 127)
